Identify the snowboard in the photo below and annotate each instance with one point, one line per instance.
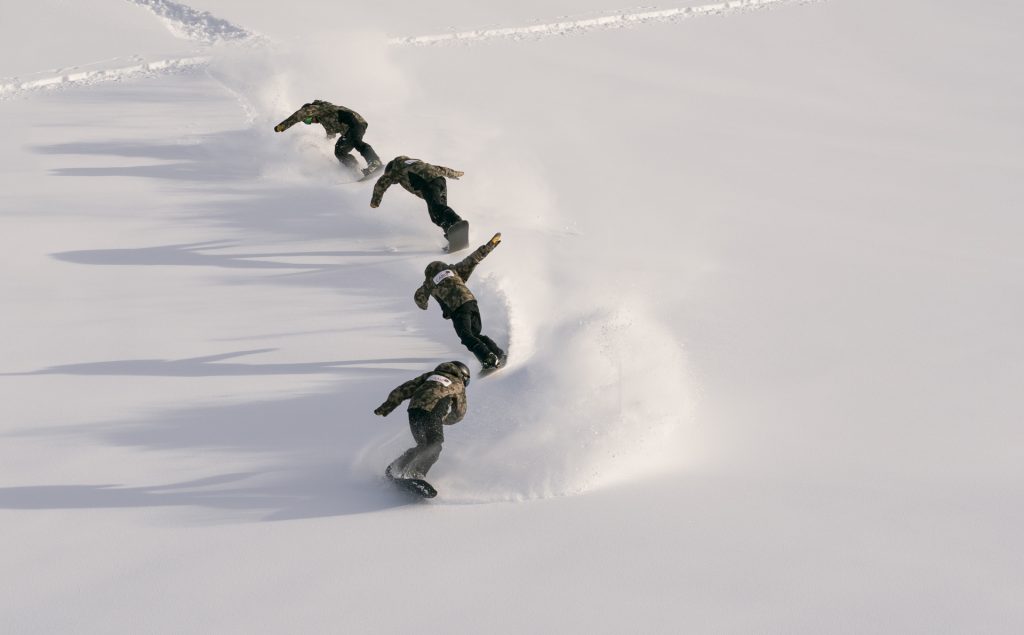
(458, 236)
(415, 486)
(368, 174)
(502, 362)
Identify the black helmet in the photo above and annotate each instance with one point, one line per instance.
(434, 268)
(462, 368)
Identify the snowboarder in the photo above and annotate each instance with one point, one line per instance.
(446, 283)
(436, 399)
(338, 120)
(425, 181)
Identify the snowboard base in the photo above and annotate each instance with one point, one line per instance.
(415, 486)
(458, 236)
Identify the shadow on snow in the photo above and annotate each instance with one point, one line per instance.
(311, 456)
(311, 461)
(210, 366)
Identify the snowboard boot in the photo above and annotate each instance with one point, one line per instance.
(483, 354)
(423, 458)
(493, 346)
(372, 163)
(371, 158)
(491, 361)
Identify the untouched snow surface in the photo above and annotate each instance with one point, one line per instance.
(760, 281)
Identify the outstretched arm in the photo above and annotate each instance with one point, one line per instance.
(449, 172)
(381, 186)
(398, 395)
(294, 118)
(422, 297)
(466, 266)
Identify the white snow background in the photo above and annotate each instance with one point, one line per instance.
(760, 280)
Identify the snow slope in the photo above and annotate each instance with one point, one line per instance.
(759, 281)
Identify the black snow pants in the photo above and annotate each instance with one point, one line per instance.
(435, 193)
(428, 431)
(353, 140)
(466, 320)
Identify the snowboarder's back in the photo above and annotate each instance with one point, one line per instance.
(411, 174)
(427, 390)
(335, 119)
(446, 283)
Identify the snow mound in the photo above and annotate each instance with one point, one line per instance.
(573, 417)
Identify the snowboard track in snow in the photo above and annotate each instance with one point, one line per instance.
(612, 21)
(78, 77)
(190, 24)
(182, 21)
(202, 27)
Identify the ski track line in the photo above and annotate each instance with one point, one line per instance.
(144, 69)
(201, 26)
(189, 24)
(182, 21)
(615, 21)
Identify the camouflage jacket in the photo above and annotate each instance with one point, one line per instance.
(399, 170)
(335, 119)
(447, 283)
(427, 390)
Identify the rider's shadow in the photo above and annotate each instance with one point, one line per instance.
(310, 457)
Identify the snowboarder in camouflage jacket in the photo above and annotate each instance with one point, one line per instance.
(337, 120)
(436, 399)
(446, 283)
(423, 180)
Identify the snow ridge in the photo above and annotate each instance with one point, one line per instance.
(80, 77)
(183, 21)
(615, 21)
(189, 24)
